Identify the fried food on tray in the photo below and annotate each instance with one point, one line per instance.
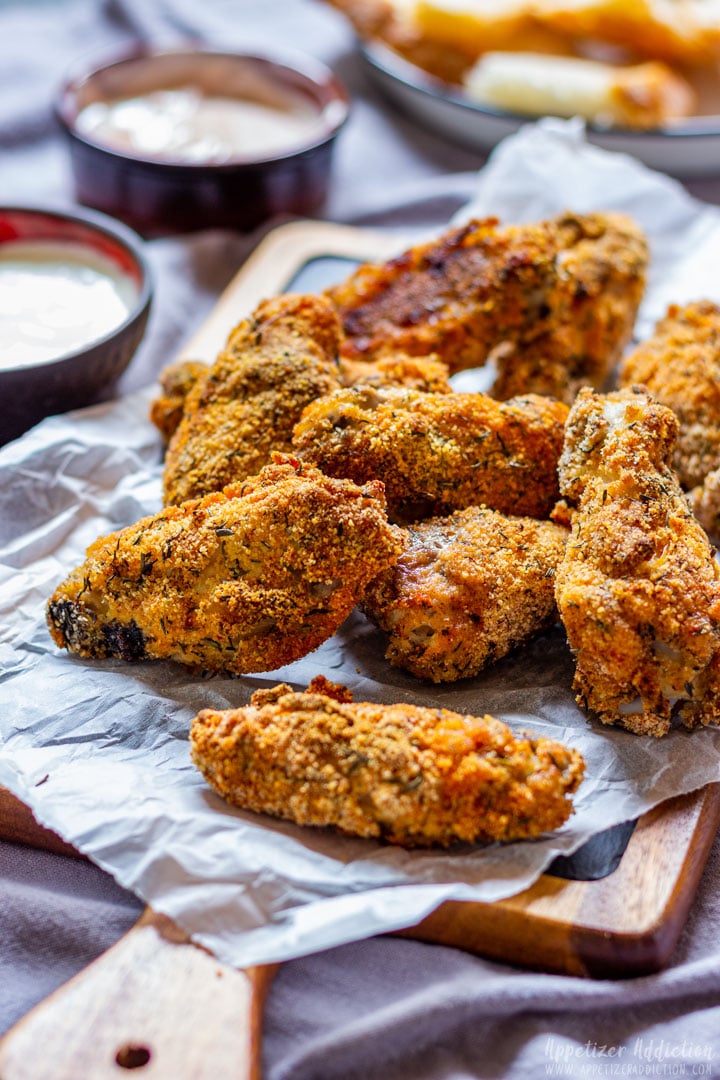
(176, 382)
(438, 452)
(408, 775)
(466, 590)
(680, 31)
(444, 39)
(680, 366)
(638, 589)
(243, 580)
(637, 96)
(274, 363)
(553, 304)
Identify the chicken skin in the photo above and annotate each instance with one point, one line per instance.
(553, 304)
(466, 590)
(239, 581)
(273, 365)
(680, 367)
(638, 589)
(408, 775)
(437, 453)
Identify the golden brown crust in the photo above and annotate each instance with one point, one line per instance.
(274, 363)
(705, 503)
(411, 776)
(438, 452)
(396, 369)
(466, 590)
(243, 580)
(638, 589)
(176, 383)
(680, 366)
(553, 303)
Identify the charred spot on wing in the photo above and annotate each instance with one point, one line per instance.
(64, 616)
(124, 640)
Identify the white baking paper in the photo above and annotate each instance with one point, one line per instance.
(99, 749)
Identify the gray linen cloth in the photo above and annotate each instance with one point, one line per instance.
(383, 1009)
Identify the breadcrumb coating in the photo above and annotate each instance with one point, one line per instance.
(273, 365)
(638, 589)
(176, 382)
(438, 452)
(408, 775)
(680, 366)
(553, 303)
(705, 504)
(397, 369)
(466, 590)
(240, 581)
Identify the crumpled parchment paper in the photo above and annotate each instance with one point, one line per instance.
(99, 749)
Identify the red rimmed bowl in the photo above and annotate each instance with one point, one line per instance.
(53, 379)
(159, 190)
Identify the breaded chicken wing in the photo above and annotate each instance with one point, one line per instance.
(638, 589)
(680, 366)
(243, 580)
(552, 303)
(438, 452)
(466, 590)
(176, 382)
(409, 775)
(274, 363)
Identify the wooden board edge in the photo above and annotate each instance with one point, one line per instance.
(271, 267)
(19, 825)
(623, 925)
(152, 999)
(570, 927)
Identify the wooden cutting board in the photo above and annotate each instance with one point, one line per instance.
(155, 1002)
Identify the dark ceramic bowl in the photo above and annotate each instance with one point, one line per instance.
(156, 194)
(87, 374)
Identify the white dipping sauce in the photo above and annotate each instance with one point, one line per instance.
(186, 125)
(55, 298)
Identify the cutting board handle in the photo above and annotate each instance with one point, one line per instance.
(154, 1001)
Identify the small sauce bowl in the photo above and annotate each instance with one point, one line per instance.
(122, 120)
(75, 293)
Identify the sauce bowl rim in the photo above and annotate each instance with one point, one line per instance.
(312, 71)
(115, 230)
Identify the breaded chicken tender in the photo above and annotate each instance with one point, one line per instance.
(438, 452)
(243, 580)
(638, 589)
(408, 775)
(466, 590)
(553, 304)
(273, 365)
(176, 382)
(680, 366)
